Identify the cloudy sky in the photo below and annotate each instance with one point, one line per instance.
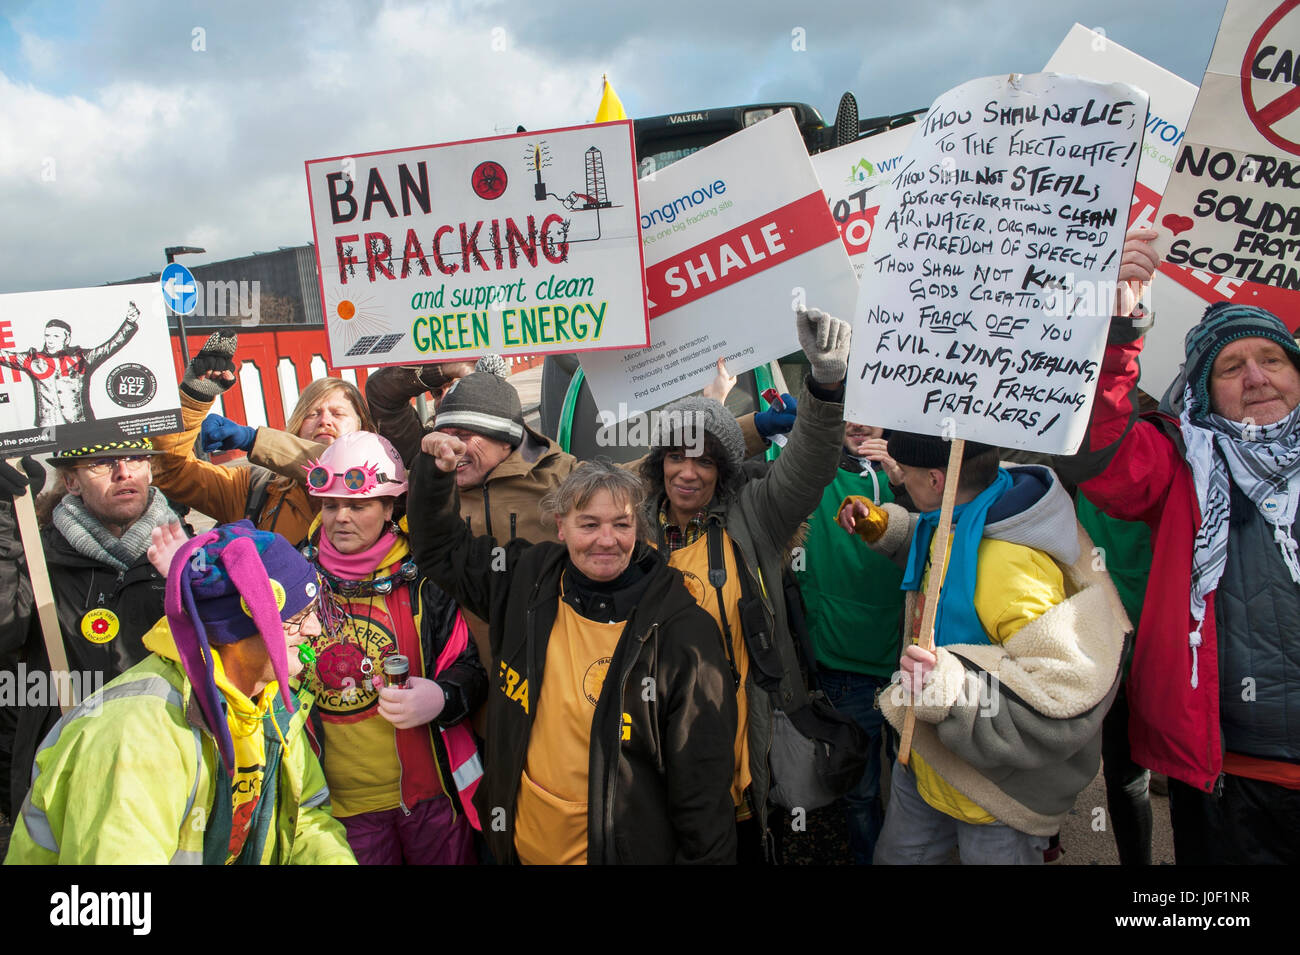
(129, 125)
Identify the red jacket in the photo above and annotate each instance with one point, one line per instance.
(1173, 727)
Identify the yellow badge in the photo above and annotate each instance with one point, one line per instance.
(276, 589)
(100, 625)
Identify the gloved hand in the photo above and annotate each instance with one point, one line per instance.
(825, 340)
(222, 434)
(212, 370)
(771, 422)
(419, 703)
(14, 482)
(859, 516)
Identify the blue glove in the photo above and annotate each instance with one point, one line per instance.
(771, 422)
(222, 434)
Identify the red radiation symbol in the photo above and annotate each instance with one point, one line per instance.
(1267, 116)
(489, 180)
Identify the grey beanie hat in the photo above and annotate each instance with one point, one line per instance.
(678, 425)
(485, 404)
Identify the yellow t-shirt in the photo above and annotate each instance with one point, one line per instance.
(693, 562)
(1014, 585)
(551, 809)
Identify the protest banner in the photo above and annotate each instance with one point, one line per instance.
(1178, 294)
(84, 366)
(1232, 205)
(736, 236)
(519, 244)
(992, 276)
(855, 179)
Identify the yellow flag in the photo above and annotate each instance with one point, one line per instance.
(611, 107)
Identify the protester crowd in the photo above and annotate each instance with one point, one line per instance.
(451, 642)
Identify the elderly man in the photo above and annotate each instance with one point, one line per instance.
(1215, 684)
(106, 594)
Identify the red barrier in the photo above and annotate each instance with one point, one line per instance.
(265, 349)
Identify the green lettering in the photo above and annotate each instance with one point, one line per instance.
(507, 328)
(480, 320)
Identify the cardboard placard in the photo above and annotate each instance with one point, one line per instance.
(736, 236)
(84, 366)
(1232, 205)
(1178, 294)
(856, 178)
(985, 305)
(520, 244)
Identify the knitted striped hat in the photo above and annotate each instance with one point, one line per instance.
(485, 404)
(1222, 324)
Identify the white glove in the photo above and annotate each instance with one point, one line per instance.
(825, 340)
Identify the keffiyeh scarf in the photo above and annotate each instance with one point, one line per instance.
(1264, 462)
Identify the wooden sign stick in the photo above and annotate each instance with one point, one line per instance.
(938, 568)
(43, 593)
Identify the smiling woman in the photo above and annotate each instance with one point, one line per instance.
(634, 708)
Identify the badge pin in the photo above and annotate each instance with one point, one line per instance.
(100, 625)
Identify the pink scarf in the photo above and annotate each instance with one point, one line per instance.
(356, 566)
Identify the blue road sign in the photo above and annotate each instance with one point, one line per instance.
(179, 289)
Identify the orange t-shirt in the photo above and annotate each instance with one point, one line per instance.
(551, 808)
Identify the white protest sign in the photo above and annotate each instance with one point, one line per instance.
(519, 244)
(855, 179)
(84, 366)
(1232, 206)
(736, 235)
(1178, 294)
(985, 306)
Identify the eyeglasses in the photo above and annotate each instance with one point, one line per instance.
(293, 626)
(101, 466)
(354, 480)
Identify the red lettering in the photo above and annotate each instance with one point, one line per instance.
(379, 248)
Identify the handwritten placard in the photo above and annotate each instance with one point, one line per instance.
(984, 308)
(520, 244)
(1232, 206)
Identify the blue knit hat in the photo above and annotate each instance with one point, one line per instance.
(227, 585)
(1222, 324)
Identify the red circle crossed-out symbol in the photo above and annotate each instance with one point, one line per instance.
(1267, 116)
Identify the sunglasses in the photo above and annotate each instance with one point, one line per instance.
(101, 466)
(354, 480)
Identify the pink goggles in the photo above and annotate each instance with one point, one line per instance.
(355, 480)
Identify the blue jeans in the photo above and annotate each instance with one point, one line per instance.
(918, 834)
(854, 695)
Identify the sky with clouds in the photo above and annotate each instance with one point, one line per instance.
(129, 125)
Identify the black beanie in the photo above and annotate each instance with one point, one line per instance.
(485, 404)
(928, 450)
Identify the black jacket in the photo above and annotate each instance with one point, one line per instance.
(80, 585)
(661, 795)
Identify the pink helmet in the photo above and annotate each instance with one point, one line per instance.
(357, 465)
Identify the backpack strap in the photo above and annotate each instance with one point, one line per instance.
(718, 577)
(259, 489)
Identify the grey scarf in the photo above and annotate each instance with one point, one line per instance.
(90, 538)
